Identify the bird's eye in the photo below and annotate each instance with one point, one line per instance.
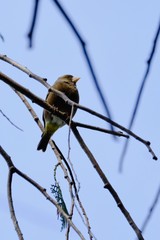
(66, 82)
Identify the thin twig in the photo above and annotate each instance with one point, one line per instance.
(35, 13)
(71, 210)
(4, 115)
(152, 208)
(69, 148)
(139, 95)
(119, 134)
(73, 171)
(23, 69)
(2, 38)
(69, 132)
(10, 203)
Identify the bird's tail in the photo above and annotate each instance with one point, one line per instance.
(48, 132)
(44, 142)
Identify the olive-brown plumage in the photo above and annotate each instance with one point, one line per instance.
(67, 85)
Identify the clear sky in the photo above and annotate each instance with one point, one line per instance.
(119, 36)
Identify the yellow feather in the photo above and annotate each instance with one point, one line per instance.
(50, 128)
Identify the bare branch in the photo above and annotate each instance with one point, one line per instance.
(87, 58)
(41, 189)
(10, 203)
(139, 95)
(9, 192)
(106, 182)
(63, 116)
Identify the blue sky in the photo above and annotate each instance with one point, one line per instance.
(119, 37)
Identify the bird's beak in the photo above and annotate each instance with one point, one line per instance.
(75, 79)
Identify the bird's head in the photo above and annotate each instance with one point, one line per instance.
(69, 79)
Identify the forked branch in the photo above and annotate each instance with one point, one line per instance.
(13, 169)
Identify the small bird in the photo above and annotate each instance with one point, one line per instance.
(67, 85)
